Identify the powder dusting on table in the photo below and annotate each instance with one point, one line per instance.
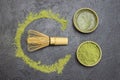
(59, 65)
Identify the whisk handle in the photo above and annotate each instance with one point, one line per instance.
(58, 41)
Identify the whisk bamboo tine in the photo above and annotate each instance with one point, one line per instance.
(35, 47)
(33, 33)
(36, 40)
(32, 48)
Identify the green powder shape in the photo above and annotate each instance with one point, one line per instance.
(89, 54)
(59, 65)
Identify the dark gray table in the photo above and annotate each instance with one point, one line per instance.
(107, 36)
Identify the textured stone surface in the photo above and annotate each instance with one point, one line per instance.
(107, 36)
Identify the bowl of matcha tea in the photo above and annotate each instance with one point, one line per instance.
(85, 20)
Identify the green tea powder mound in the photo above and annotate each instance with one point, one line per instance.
(89, 53)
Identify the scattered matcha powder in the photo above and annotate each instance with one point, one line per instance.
(57, 66)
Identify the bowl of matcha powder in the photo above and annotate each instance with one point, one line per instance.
(89, 53)
(85, 20)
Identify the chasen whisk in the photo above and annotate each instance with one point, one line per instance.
(37, 40)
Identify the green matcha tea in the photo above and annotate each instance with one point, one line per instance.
(85, 20)
(89, 53)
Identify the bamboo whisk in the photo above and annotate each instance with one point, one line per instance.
(37, 40)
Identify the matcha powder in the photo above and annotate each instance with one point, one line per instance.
(86, 21)
(59, 65)
(89, 53)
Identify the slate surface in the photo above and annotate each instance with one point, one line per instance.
(107, 36)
